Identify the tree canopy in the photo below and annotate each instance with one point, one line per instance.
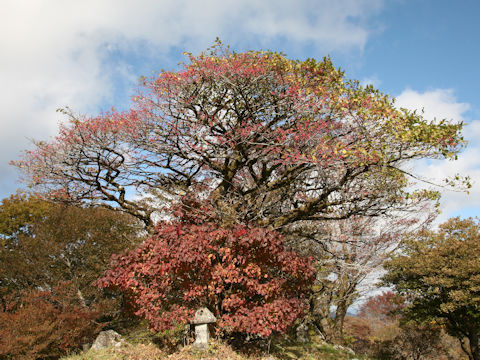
(45, 244)
(439, 272)
(272, 141)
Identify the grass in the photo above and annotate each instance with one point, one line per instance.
(125, 352)
(216, 351)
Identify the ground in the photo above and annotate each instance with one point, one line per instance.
(217, 350)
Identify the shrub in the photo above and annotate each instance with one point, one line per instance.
(44, 325)
(243, 274)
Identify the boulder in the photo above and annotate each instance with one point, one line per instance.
(106, 339)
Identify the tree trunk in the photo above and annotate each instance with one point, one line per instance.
(340, 314)
(81, 298)
(474, 348)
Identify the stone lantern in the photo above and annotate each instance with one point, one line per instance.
(202, 318)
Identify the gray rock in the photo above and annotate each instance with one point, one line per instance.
(344, 348)
(106, 339)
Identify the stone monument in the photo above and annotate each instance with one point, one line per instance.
(202, 318)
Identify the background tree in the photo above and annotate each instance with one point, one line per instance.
(439, 272)
(348, 254)
(378, 330)
(275, 142)
(18, 213)
(45, 244)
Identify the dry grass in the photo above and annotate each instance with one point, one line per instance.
(217, 351)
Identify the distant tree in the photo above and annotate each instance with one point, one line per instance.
(379, 330)
(439, 272)
(348, 253)
(383, 307)
(275, 141)
(244, 275)
(45, 244)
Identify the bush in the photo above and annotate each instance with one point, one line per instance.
(45, 325)
(244, 275)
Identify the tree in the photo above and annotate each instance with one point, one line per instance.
(272, 141)
(439, 272)
(348, 253)
(45, 244)
(379, 330)
(18, 213)
(244, 275)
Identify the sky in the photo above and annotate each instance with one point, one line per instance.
(88, 55)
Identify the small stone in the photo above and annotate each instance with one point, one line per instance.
(344, 348)
(106, 339)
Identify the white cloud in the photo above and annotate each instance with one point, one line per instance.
(438, 103)
(57, 53)
(373, 80)
(442, 104)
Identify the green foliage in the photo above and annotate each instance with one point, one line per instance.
(18, 212)
(439, 272)
(45, 244)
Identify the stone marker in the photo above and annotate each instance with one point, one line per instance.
(302, 333)
(202, 318)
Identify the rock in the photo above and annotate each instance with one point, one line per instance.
(302, 333)
(344, 348)
(106, 339)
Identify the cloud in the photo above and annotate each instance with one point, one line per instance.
(84, 53)
(373, 80)
(438, 103)
(442, 104)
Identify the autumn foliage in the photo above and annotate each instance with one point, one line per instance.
(45, 325)
(242, 274)
(444, 286)
(285, 141)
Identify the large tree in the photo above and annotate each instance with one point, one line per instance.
(272, 141)
(439, 272)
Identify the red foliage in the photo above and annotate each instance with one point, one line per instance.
(243, 274)
(45, 325)
(384, 306)
(283, 138)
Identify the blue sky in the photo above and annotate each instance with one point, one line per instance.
(89, 54)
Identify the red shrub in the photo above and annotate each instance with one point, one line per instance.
(44, 325)
(244, 275)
